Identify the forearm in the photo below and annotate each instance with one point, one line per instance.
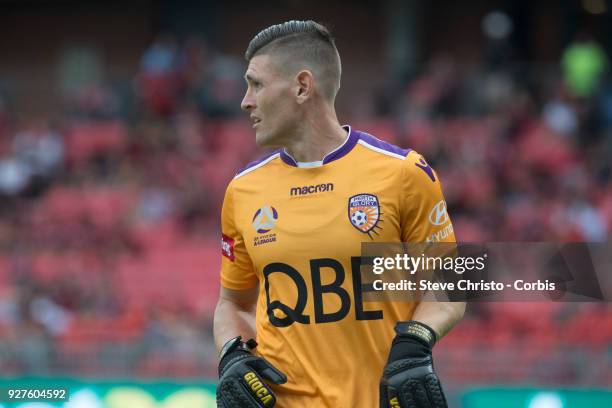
(233, 320)
(440, 316)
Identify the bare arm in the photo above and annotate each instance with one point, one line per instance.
(235, 315)
(440, 316)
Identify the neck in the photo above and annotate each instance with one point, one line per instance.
(318, 134)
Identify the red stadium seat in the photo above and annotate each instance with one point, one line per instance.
(183, 274)
(87, 139)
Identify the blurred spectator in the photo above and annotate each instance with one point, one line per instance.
(4, 124)
(160, 59)
(560, 117)
(583, 63)
(40, 148)
(156, 205)
(9, 309)
(78, 68)
(35, 157)
(14, 176)
(497, 27)
(158, 81)
(33, 348)
(219, 94)
(195, 61)
(52, 316)
(97, 102)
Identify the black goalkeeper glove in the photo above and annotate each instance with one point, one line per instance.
(241, 374)
(409, 380)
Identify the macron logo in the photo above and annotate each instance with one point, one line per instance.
(319, 188)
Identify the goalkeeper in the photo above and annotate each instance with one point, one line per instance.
(292, 325)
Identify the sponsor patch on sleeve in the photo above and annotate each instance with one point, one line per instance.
(227, 247)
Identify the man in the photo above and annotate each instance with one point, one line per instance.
(293, 224)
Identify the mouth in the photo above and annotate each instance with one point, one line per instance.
(256, 120)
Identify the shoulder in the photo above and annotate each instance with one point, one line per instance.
(408, 161)
(416, 167)
(381, 147)
(413, 165)
(257, 164)
(410, 164)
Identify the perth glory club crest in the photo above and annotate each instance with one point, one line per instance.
(364, 213)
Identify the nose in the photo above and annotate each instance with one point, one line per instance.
(248, 102)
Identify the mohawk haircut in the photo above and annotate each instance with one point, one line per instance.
(299, 45)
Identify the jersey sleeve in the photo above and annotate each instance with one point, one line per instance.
(424, 217)
(236, 267)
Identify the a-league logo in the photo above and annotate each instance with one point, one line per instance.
(265, 219)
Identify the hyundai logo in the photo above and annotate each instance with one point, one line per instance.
(438, 214)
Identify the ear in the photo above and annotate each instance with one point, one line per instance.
(305, 85)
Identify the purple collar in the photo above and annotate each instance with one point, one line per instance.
(340, 151)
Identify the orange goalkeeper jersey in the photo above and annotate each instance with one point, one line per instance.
(296, 230)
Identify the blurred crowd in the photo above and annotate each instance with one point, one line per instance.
(524, 151)
(109, 202)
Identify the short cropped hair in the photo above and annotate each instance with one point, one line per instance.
(302, 44)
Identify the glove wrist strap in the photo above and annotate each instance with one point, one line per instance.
(417, 330)
(234, 350)
(235, 344)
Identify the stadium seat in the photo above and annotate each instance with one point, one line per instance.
(87, 139)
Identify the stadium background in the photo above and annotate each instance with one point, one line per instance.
(120, 127)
